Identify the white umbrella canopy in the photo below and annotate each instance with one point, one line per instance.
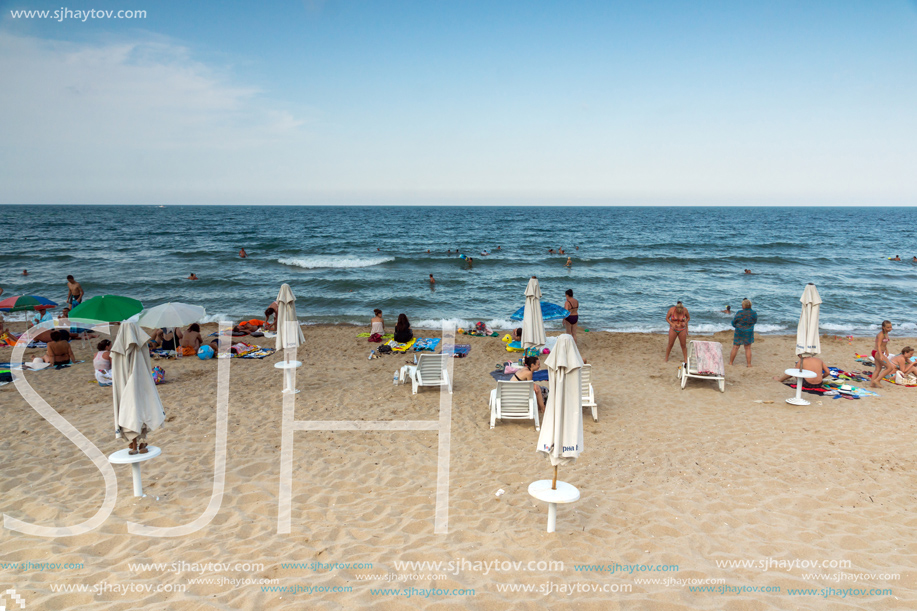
(807, 339)
(172, 314)
(532, 321)
(286, 311)
(561, 437)
(138, 408)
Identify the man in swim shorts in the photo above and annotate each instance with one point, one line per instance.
(810, 363)
(432, 279)
(74, 292)
(242, 253)
(571, 305)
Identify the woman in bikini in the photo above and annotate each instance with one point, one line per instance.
(525, 374)
(571, 305)
(901, 363)
(678, 318)
(880, 353)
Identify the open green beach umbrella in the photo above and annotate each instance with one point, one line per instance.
(106, 308)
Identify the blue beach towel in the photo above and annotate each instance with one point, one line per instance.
(426, 344)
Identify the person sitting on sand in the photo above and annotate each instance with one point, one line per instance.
(377, 324)
(59, 352)
(403, 333)
(165, 338)
(192, 277)
(809, 363)
(531, 365)
(191, 340)
(901, 363)
(101, 362)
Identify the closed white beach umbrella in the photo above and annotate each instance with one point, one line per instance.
(138, 408)
(532, 321)
(286, 311)
(171, 315)
(561, 437)
(807, 339)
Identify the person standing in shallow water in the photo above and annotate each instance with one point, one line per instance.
(744, 323)
(678, 318)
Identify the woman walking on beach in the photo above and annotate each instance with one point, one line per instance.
(880, 353)
(744, 323)
(678, 318)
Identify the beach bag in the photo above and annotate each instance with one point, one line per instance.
(375, 338)
(385, 349)
(159, 374)
(905, 380)
(6, 375)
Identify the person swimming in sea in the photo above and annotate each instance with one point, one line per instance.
(897, 258)
(432, 279)
(728, 310)
(192, 277)
(242, 253)
(569, 262)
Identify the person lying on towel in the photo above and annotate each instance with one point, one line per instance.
(809, 363)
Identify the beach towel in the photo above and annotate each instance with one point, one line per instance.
(260, 353)
(821, 390)
(240, 349)
(709, 358)
(395, 346)
(459, 351)
(428, 344)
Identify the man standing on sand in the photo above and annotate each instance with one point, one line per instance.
(571, 305)
(810, 363)
(74, 292)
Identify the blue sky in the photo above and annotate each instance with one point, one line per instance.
(473, 102)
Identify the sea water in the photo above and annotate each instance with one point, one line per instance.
(629, 264)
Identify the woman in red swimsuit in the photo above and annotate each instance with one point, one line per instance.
(678, 318)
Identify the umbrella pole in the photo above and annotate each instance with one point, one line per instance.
(554, 483)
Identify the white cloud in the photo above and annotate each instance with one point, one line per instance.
(125, 121)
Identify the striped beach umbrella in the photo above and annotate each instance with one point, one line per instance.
(20, 303)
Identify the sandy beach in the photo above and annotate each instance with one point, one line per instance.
(675, 484)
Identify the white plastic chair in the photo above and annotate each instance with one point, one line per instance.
(589, 392)
(514, 401)
(430, 370)
(689, 369)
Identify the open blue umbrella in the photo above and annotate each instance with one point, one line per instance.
(549, 311)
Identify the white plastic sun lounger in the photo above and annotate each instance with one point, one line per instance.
(713, 369)
(514, 401)
(589, 392)
(430, 370)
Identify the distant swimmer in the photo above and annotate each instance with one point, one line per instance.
(577, 248)
(551, 250)
(449, 251)
(242, 253)
(484, 253)
(728, 310)
(747, 271)
(498, 248)
(25, 272)
(428, 251)
(569, 262)
(470, 262)
(432, 279)
(560, 251)
(192, 277)
(897, 258)
(914, 260)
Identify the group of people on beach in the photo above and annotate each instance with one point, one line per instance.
(743, 323)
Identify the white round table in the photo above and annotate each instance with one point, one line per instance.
(799, 374)
(124, 457)
(290, 384)
(565, 493)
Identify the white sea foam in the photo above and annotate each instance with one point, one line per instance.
(771, 329)
(319, 261)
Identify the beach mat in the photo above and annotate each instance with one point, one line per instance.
(258, 354)
(458, 351)
(396, 347)
(428, 344)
